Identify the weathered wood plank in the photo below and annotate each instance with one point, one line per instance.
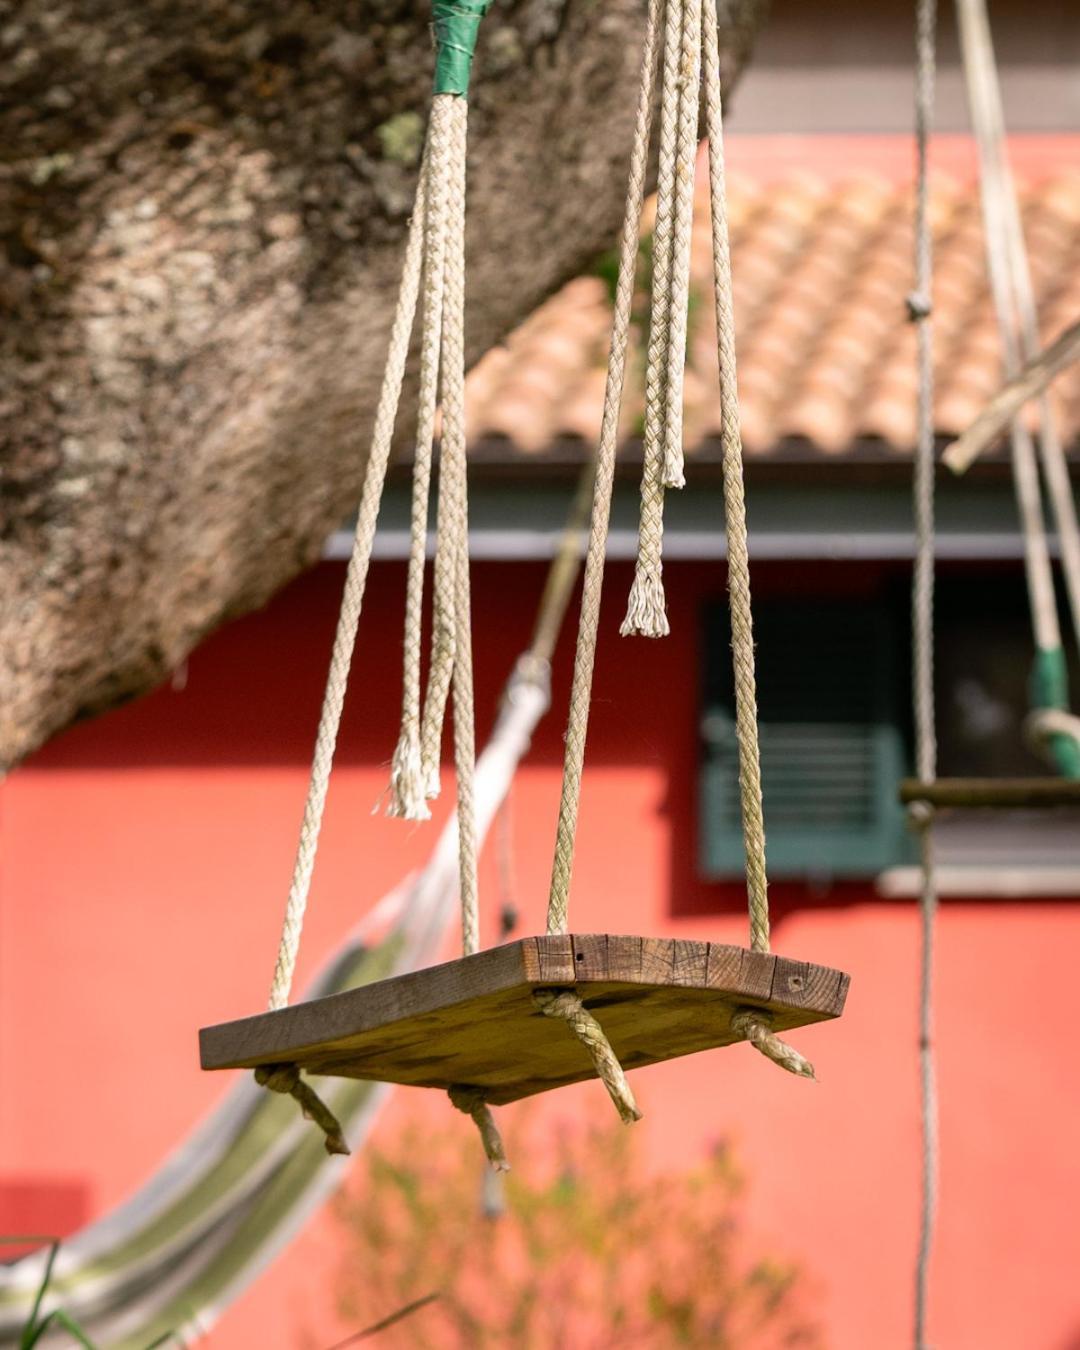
(801, 984)
(474, 1020)
(690, 963)
(657, 960)
(591, 954)
(556, 953)
(992, 792)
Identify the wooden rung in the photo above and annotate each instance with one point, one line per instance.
(992, 792)
(473, 1021)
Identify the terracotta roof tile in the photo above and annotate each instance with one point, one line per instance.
(826, 357)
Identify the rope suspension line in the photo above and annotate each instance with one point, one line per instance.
(920, 308)
(388, 1033)
(690, 43)
(585, 653)
(351, 604)
(978, 44)
(1010, 284)
(434, 260)
(1035, 377)
(742, 634)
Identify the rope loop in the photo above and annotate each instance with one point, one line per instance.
(1054, 734)
(285, 1078)
(472, 1101)
(567, 1005)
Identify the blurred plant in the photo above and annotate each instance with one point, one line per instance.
(36, 1325)
(595, 1253)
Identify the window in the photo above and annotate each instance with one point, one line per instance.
(834, 715)
(983, 672)
(831, 717)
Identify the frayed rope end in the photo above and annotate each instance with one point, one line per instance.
(674, 468)
(407, 794)
(646, 608)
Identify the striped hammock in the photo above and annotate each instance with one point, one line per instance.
(175, 1255)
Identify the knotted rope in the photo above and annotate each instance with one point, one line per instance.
(1055, 734)
(473, 1102)
(567, 1006)
(753, 1026)
(285, 1078)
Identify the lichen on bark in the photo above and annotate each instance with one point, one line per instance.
(201, 211)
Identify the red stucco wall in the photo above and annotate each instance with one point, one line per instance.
(143, 865)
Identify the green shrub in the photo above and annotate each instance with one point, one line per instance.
(592, 1251)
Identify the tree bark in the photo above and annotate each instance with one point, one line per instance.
(201, 213)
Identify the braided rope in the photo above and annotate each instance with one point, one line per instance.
(679, 304)
(285, 1078)
(407, 782)
(441, 669)
(1037, 566)
(568, 1007)
(1054, 734)
(922, 610)
(585, 653)
(351, 603)
(455, 468)
(753, 1026)
(742, 635)
(1051, 451)
(646, 606)
(473, 1102)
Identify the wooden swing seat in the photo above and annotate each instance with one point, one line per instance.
(473, 1022)
(997, 793)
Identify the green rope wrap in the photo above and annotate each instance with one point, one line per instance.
(1066, 755)
(1049, 679)
(455, 24)
(1050, 689)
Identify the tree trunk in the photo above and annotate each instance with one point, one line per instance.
(202, 207)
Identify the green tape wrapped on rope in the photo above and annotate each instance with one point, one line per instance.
(456, 24)
(1049, 679)
(1050, 690)
(1066, 753)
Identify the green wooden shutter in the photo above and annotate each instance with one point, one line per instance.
(831, 744)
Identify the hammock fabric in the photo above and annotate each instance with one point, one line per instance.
(175, 1255)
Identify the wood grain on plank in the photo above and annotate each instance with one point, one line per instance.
(474, 1020)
